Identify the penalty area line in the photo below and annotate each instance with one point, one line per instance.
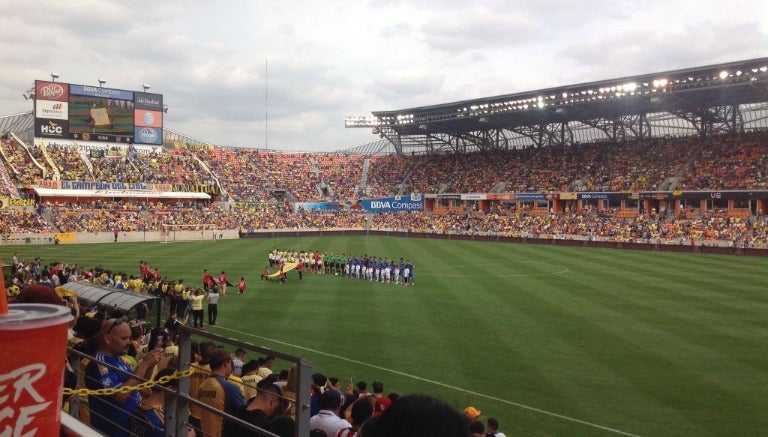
(438, 383)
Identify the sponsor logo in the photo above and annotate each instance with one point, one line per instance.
(396, 205)
(51, 109)
(51, 128)
(21, 202)
(21, 400)
(587, 196)
(52, 91)
(147, 101)
(86, 136)
(55, 109)
(148, 118)
(148, 135)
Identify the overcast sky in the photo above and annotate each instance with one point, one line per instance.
(323, 60)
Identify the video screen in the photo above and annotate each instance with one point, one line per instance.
(98, 115)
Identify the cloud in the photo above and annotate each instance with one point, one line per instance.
(333, 59)
(645, 51)
(406, 86)
(480, 29)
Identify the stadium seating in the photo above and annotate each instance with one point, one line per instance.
(258, 184)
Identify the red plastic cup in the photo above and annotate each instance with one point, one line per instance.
(34, 341)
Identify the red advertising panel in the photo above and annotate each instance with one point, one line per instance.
(51, 91)
(143, 117)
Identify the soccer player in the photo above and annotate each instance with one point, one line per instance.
(241, 286)
(223, 281)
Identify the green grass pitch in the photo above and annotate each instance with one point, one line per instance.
(549, 340)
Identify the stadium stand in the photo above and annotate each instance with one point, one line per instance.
(260, 187)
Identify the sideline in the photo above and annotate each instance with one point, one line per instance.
(452, 387)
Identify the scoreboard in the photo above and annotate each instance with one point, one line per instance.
(90, 113)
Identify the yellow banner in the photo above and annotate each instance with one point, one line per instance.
(6, 202)
(66, 237)
(286, 268)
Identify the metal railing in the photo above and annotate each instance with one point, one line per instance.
(178, 401)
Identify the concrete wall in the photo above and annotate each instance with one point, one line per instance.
(122, 237)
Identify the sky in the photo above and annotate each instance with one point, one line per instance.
(284, 75)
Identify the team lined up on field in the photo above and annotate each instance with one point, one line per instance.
(366, 267)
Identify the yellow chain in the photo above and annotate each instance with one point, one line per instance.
(129, 388)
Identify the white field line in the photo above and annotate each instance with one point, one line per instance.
(419, 378)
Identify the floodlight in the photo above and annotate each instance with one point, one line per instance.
(102, 82)
(54, 76)
(146, 87)
(723, 74)
(29, 94)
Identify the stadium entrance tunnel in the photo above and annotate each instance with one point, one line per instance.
(89, 295)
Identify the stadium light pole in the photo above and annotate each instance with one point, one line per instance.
(54, 76)
(146, 87)
(102, 82)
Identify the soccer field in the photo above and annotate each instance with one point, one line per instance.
(549, 340)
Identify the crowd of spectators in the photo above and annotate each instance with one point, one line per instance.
(730, 162)
(99, 216)
(19, 221)
(241, 172)
(114, 169)
(18, 162)
(385, 174)
(69, 162)
(261, 186)
(175, 167)
(713, 228)
(37, 153)
(724, 162)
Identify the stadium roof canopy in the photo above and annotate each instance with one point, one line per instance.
(723, 98)
(107, 296)
(21, 124)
